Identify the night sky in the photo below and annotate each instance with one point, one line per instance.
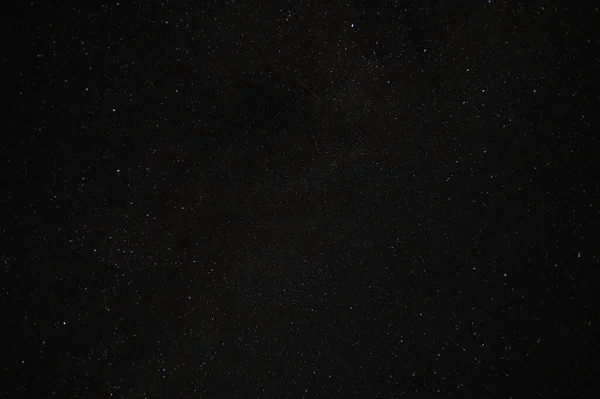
(299, 199)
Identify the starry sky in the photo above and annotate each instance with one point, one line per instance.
(299, 199)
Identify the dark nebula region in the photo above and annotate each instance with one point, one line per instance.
(239, 199)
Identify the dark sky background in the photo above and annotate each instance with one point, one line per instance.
(299, 199)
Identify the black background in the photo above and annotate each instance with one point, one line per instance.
(299, 199)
